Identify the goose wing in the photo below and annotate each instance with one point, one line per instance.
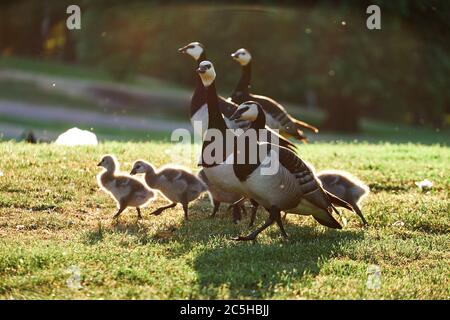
(290, 125)
(311, 189)
(227, 107)
(282, 141)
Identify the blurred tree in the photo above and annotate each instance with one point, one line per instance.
(322, 48)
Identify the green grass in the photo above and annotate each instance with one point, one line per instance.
(53, 216)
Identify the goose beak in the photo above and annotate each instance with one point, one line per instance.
(182, 49)
(133, 172)
(99, 164)
(201, 70)
(237, 114)
(234, 55)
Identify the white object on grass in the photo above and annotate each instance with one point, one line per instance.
(74, 280)
(77, 137)
(373, 277)
(425, 185)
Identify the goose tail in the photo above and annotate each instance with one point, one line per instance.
(339, 202)
(327, 219)
(303, 125)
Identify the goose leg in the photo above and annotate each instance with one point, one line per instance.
(255, 206)
(236, 213)
(158, 211)
(215, 209)
(277, 216)
(243, 210)
(274, 216)
(139, 213)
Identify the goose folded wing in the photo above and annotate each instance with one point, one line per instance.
(273, 135)
(309, 185)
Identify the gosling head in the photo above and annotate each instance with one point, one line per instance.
(141, 166)
(242, 56)
(109, 162)
(249, 111)
(194, 49)
(206, 72)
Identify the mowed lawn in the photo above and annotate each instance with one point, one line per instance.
(54, 218)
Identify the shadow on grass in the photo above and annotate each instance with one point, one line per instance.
(255, 270)
(244, 270)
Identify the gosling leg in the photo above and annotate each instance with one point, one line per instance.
(122, 207)
(158, 211)
(139, 213)
(185, 209)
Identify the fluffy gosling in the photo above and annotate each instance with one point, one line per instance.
(125, 190)
(345, 186)
(176, 184)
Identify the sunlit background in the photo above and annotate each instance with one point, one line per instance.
(122, 78)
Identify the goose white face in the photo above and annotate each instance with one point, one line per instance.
(206, 72)
(247, 111)
(108, 162)
(194, 49)
(242, 56)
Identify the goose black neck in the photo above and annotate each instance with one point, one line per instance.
(197, 64)
(260, 122)
(244, 82)
(215, 119)
(199, 97)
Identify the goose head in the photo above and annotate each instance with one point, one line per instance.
(109, 162)
(194, 49)
(249, 111)
(242, 56)
(206, 72)
(141, 166)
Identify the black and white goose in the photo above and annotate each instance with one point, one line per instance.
(292, 187)
(198, 109)
(217, 164)
(340, 183)
(281, 181)
(276, 115)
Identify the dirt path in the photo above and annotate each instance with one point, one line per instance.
(35, 112)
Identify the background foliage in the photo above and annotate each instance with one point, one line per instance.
(312, 52)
